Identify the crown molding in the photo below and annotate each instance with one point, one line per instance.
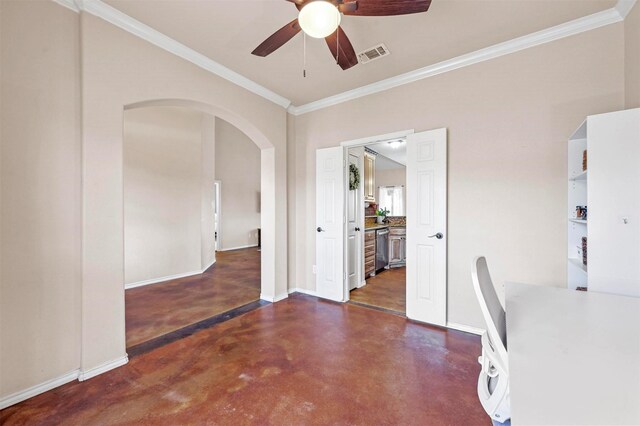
(577, 26)
(102, 10)
(69, 4)
(145, 32)
(623, 7)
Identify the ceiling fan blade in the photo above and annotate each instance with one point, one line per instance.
(277, 39)
(298, 3)
(348, 7)
(385, 7)
(344, 52)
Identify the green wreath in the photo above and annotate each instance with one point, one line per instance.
(354, 177)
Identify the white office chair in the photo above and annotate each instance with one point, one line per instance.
(493, 383)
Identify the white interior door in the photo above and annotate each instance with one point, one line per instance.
(330, 174)
(427, 226)
(354, 210)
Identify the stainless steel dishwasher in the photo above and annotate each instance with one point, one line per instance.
(382, 248)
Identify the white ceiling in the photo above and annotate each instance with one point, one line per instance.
(390, 156)
(228, 30)
(384, 163)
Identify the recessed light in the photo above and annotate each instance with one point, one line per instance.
(396, 143)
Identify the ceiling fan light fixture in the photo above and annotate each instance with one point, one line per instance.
(319, 19)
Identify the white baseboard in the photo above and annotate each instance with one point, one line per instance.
(59, 381)
(208, 266)
(303, 291)
(273, 299)
(465, 328)
(266, 298)
(238, 248)
(451, 325)
(362, 284)
(280, 297)
(167, 278)
(38, 389)
(160, 280)
(102, 368)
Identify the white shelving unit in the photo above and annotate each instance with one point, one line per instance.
(579, 176)
(610, 190)
(577, 196)
(578, 263)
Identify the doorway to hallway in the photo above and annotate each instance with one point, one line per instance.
(182, 266)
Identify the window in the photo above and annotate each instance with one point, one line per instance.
(392, 199)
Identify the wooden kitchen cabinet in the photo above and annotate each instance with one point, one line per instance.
(397, 247)
(369, 253)
(369, 180)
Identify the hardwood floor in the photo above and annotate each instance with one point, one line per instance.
(298, 361)
(385, 290)
(158, 309)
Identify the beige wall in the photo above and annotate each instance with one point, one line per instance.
(62, 294)
(163, 170)
(118, 70)
(392, 177)
(238, 168)
(632, 58)
(295, 227)
(40, 194)
(508, 120)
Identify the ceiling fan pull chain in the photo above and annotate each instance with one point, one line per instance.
(338, 44)
(304, 55)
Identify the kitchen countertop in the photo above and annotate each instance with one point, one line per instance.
(376, 227)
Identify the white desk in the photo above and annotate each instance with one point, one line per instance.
(574, 357)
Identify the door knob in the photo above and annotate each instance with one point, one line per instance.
(319, 229)
(438, 235)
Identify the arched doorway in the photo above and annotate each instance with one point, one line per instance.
(172, 282)
(267, 192)
(99, 272)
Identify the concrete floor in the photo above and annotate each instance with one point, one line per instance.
(298, 361)
(385, 290)
(158, 309)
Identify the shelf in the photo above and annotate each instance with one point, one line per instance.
(574, 220)
(578, 263)
(579, 176)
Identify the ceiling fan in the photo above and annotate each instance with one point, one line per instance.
(321, 19)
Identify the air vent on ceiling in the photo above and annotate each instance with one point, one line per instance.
(372, 54)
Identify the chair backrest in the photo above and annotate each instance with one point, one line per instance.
(490, 306)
